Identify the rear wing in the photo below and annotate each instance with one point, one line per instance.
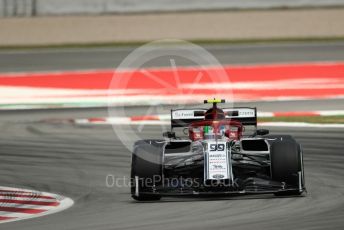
(184, 117)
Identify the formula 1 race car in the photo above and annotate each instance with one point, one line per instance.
(217, 156)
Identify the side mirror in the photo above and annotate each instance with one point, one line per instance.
(169, 134)
(262, 132)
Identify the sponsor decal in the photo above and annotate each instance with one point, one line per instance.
(242, 113)
(184, 114)
(218, 166)
(218, 176)
(217, 159)
(246, 113)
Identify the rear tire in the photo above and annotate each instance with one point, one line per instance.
(286, 165)
(146, 170)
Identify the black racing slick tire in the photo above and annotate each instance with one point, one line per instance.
(146, 170)
(287, 166)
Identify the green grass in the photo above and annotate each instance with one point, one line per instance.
(196, 41)
(310, 119)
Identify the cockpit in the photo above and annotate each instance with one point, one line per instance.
(215, 130)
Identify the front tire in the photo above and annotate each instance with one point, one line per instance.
(146, 170)
(287, 166)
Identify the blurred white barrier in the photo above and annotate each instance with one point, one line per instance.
(10, 8)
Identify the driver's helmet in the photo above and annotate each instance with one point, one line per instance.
(214, 114)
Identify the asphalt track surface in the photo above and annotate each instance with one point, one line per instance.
(98, 58)
(75, 160)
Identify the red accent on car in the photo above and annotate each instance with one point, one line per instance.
(196, 128)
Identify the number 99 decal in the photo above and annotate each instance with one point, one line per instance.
(217, 147)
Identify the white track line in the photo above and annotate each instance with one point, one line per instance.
(8, 197)
(164, 119)
(271, 124)
(301, 125)
(26, 206)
